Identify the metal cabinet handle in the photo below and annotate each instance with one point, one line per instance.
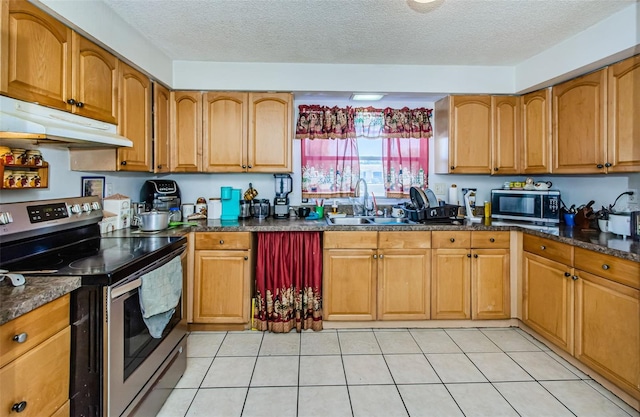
(567, 274)
(71, 101)
(543, 247)
(492, 240)
(246, 258)
(608, 164)
(468, 255)
(575, 277)
(20, 338)
(452, 240)
(250, 166)
(605, 267)
(221, 242)
(123, 163)
(19, 407)
(159, 166)
(381, 256)
(244, 166)
(599, 166)
(496, 169)
(375, 256)
(79, 104)
(475, 255)
(452, 167)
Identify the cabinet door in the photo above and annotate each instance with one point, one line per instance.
(403, 284)
(536, 132)
(134, 121)
(161, 128)
(186, 136)
(221, 292)
(490, 284)
(608, 330)
(623, 152)
(470, 141)
(505, 111)
(36, 55)
(40, 377)
(226, 115)
(450, 284)
(579, 111)
(95, 81)
(349, 277)
(547, 305)
(270, 137)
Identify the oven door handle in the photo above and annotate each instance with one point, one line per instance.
(123, 289)
(134, 281)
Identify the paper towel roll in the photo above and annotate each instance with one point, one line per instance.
(453, 194)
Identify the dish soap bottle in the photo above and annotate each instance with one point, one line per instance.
(334, 207)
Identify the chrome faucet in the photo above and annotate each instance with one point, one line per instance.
(361, 208)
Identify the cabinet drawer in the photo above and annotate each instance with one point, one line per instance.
(490, 240)
(223, 240)
(38, 325)
(40, 377)
(616, 269)
(404, 240)
(559, 252)
(451, 239)
(350, 240)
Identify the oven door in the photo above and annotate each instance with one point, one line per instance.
(133, 356)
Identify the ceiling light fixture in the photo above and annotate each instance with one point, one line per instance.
(424, 1)
(367, 96)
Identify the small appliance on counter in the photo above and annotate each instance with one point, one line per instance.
(261, 209)
(230, 198)
(245, 209)
(620, 224)
(535, 206)
(160, 195)
(281, 202)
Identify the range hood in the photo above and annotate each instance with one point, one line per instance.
(21, 120)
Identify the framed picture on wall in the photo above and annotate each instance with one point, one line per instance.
(92, 186)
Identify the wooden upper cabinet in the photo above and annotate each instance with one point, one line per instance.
(44, 61)
(536, 132)
(623, 141)
(463, 135)
(186, 136)
(134, 120)
(270, 137)
(226, 116)
(161, 128)
(579, 125)
(505, 111)
(36, 55)
(95, 81)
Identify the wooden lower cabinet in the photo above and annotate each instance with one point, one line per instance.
(222, 278)
(349, 284)
(548, 299)
(451, 284)
(376, 275)
(35, 373)
(490, 284)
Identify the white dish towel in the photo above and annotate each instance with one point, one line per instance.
(160, 292)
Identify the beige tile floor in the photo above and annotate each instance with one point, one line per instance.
(386, 372)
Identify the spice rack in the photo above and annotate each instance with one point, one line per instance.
(42, 171)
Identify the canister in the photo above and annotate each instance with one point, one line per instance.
(214, 208)
(201, 208)
(33, 179)
(19, 156)
(34, 157)
(6, 155)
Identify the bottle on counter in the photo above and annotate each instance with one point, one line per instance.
(453, 195)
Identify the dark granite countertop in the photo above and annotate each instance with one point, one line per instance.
(606, 243)
(37, 291)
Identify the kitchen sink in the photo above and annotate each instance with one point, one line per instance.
(367, 221)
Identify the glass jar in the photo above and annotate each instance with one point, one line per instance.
(19, 156)
(34, 157)
(21, 179)
(34, 180)
(9, 179)
(6, 155)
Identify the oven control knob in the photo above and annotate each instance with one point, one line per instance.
(86, 207)
(95, 205)
(6, 218)
(76, 208)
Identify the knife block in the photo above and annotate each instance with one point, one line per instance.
(583, 218)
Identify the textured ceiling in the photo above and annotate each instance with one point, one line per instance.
(447, 32)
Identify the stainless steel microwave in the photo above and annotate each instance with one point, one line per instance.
(526, 205)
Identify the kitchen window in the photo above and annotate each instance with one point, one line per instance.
(386, 147)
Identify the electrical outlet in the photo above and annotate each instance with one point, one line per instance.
(633, 198)
(109, 189)
(440, 188)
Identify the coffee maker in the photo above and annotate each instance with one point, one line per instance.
(281, 202)
(161, 195)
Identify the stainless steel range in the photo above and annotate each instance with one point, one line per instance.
(117, 367)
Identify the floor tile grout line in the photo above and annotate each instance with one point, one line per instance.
(255, 364)
(344, 371)
(391, 373)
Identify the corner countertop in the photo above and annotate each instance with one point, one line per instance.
(37, 291)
